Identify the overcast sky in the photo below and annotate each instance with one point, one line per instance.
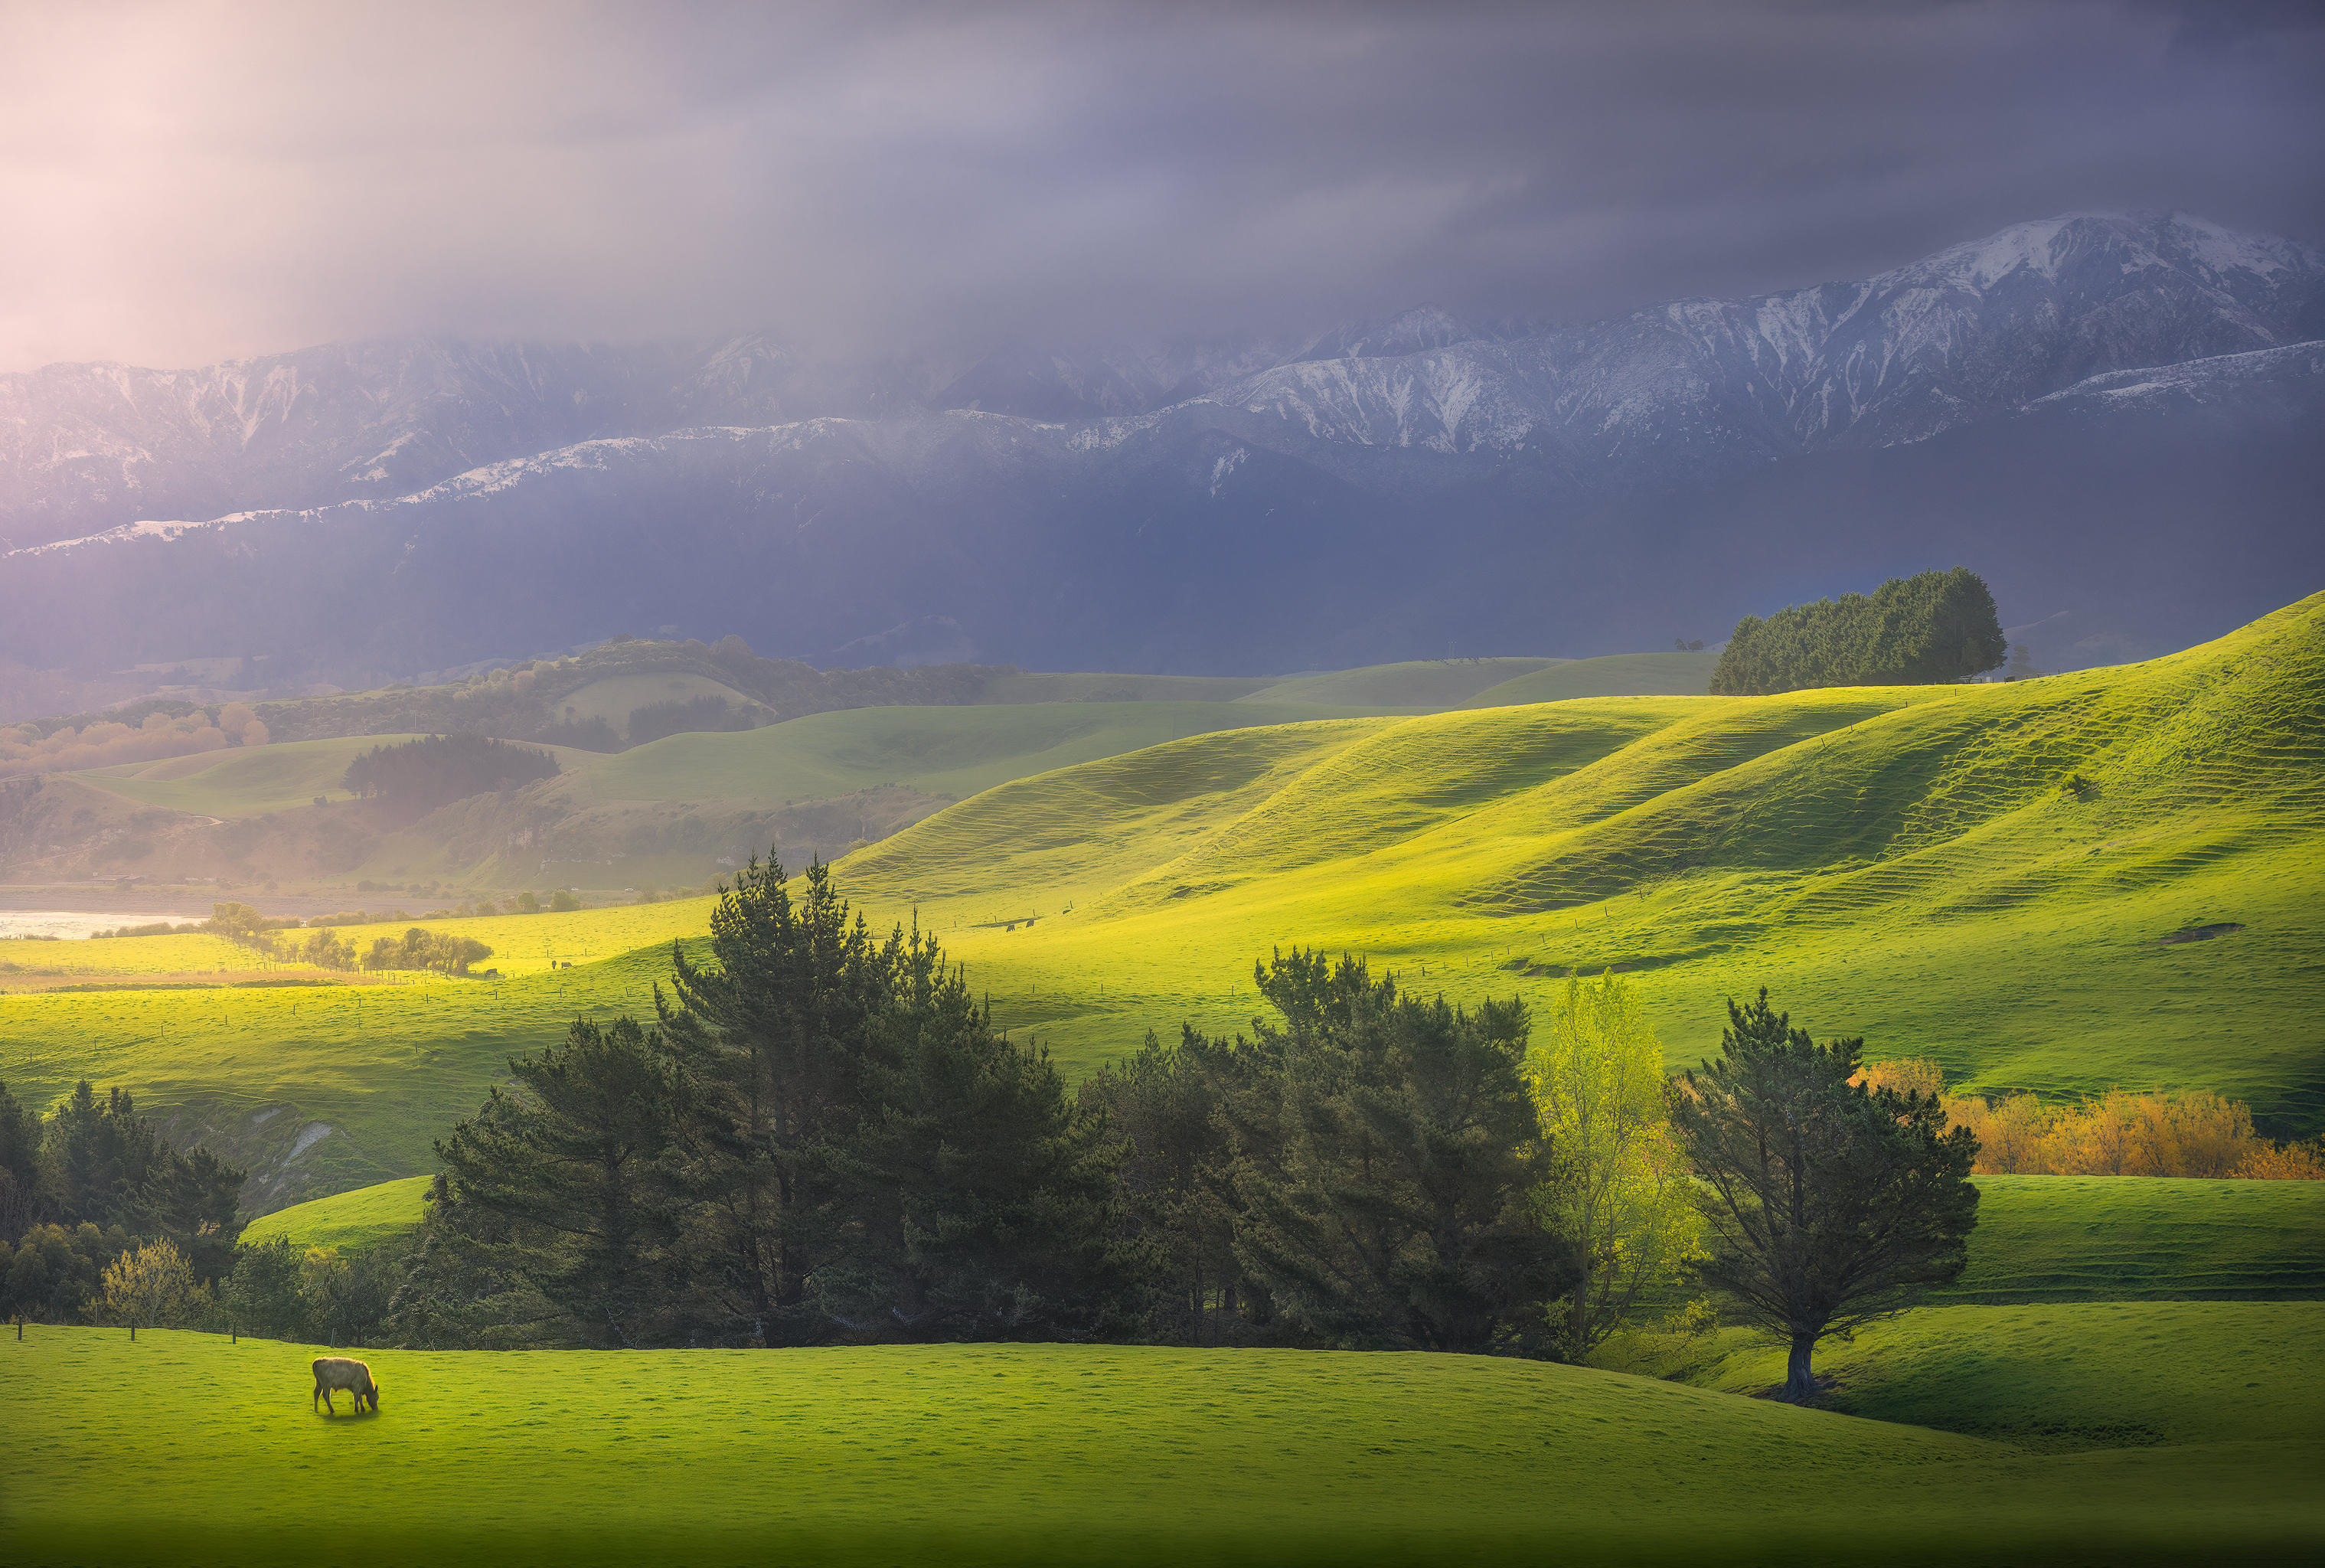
(187, 183)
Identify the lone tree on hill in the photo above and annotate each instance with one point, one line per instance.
(1828, 1204)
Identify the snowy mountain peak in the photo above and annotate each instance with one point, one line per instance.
(1412, 331)
(2128, 242)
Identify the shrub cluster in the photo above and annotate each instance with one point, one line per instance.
(25, 749)
(426, 949)
(2180, 1132)
(1913, 631)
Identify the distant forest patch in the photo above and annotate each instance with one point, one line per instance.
(436, 770)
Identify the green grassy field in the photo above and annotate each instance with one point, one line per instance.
(1673, 674)
(614, 699)
(380, 1067)
(2082, 1239)
(355, 1221)
(2050, 1377)
(184, 1449)
(946, 751)
(1088, 686)
(246, 783)
(1421, 683)
(1916, 865)
(185, 952)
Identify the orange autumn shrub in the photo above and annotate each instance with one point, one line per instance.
(2179, 1132)
(2285, 1162)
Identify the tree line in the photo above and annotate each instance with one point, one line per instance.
(445, 952)
(820, 1137)
(93, 1184)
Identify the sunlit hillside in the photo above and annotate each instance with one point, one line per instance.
(1985, 874)
(1982, 874)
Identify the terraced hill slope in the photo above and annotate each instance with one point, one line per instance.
(1982, 874)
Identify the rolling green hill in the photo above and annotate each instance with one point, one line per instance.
(1980, 874)
(357, 1219)
(247, 782)
(614, 698)
(1089, 686)
(2048, 1378)
(946, 751)
(1670, 674)
(2085, 1239)
(323, 1089)
(1421, 683)
(1916, 865)
(266, 779)
(2190, 1431)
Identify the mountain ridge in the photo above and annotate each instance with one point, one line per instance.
(2012, 405)
(1790, 371)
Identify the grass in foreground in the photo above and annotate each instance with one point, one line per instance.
(2053, 1376)
(1082, 1454)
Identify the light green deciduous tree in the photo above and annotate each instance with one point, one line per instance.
(1622, 1191)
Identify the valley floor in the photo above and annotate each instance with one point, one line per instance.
(186, 1449)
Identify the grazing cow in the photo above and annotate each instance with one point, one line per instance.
(344, 1372)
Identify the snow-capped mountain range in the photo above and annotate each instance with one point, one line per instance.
(1069, 463)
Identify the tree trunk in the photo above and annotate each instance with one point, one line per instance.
(1799, 1387)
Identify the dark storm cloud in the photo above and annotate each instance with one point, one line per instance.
(187, 182)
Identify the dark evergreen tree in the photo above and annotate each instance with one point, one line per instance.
(417, 777)
(1829, 1205)
(103, 1164)
(20, 1167)
(579, 1165)
(261, 1294)
(1178, 1182)
(1386, 1150)
(776, 1036)
(983, 1201)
